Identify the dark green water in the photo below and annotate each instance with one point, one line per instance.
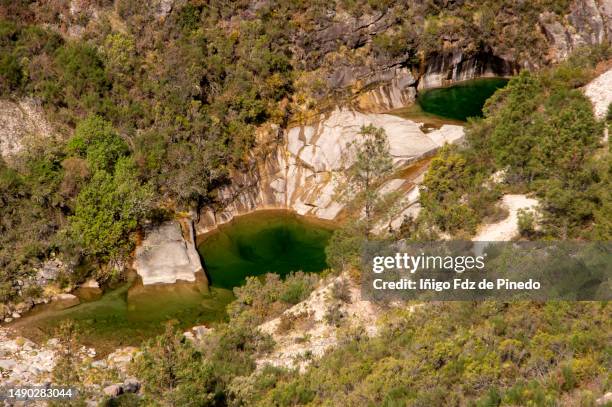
(462, 100)
(255, 244)
(130, 314)
(251, 245)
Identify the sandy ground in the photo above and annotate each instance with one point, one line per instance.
(507, 229)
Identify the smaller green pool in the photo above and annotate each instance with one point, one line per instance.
(129, 314)
(462, 100)
(270, 241)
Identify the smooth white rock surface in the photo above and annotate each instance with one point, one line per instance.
(165, 256)
(599, 91)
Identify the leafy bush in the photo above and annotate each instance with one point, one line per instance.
(340, 291)
(96, 141)
(526, 221)
(448, 354)
(261, 299)
(10, 74)
(108, 209)
(542, 133)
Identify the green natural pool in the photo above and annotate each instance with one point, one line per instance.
(271, 241)
(129, 314)
(462, 100)
(250, 245)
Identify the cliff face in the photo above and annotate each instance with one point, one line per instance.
(18, 121)
(304, 172)
(398, 87)
(383, 82)
(588, 23)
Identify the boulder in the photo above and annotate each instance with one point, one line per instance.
(65, 300)
(50, 269)
(7, 364)
(200, 331)
(166, 256)
(131, 385)
(90, 283)
(121, 357)
(605, 399)
(99, 364)
(23, 307)
(113, 390)
(162, 8)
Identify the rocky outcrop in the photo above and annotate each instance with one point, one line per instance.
(314, 324)
(168, 254)
(338, 29)
(25, 363)
(304, 172)
(599, 91)
(384, 82)
(65, 300)
(446, 69)
(395, 88)
(588, 23)
(20, 120)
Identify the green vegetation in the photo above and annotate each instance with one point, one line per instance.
(477, 354)
(165, 107)
(30, 214)
(458, 354)
(453, 196)
(153, 111)
(175, 372)
(114, 200)
(372, 164)
(540, 132)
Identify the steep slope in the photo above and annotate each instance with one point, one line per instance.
(304, 172)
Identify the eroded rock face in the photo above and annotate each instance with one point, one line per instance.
(396, 89)
(444, 70)
(312, 333)
(18, 121)
(168, 254)
(305, 171)
(588, 23)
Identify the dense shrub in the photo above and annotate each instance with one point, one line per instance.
(542, 134)
(260, 299)
(449, 354)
